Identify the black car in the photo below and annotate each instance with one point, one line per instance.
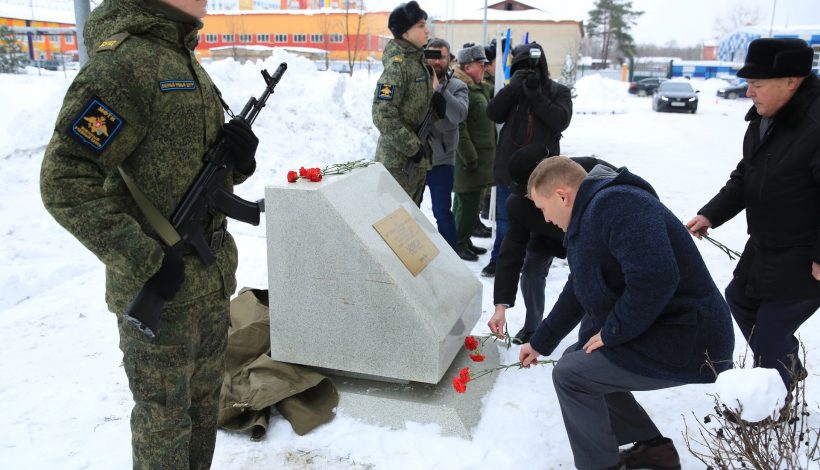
(646, 86)
(734, 91)
(671, 96)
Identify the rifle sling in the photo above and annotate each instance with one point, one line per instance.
(160, 224)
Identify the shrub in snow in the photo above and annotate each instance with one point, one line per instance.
(751, 427)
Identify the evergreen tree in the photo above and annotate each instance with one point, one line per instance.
(611, 20)
(568, 73)
(12, 59)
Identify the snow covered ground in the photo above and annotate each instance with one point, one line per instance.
(64, 398)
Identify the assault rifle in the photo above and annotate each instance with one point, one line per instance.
(205, 196)
(426, 126)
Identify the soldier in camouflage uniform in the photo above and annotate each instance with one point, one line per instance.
(402, 98)
(143, 106)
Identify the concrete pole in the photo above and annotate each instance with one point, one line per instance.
(484, 26)
(82, 9)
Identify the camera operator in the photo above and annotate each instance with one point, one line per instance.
(534, 110)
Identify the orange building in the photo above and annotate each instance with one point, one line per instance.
(333, 31)
(48, 34)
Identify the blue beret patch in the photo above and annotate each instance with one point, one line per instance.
(96, 125)
(385, 91)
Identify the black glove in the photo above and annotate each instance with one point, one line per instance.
(439, 104)
(471, 167)
(422, 153)
(532, 86)
(167, 281)
(242, 143)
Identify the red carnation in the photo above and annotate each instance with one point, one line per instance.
(477, 357)
(459, 385)
(315, 175)
(464, 375)
(471, 343)
(292, 177)
(303, 172)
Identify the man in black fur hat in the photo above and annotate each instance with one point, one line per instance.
(776, 285)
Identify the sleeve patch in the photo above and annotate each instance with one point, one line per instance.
(96, 125)
(385, 91)
(171, 85)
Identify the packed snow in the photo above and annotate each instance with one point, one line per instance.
(64, 396)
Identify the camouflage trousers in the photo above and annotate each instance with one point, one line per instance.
(412, 185)
(176, 379)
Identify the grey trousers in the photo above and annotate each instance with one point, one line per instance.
(600, 413)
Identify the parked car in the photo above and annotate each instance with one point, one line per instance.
(48, 64)
(733, 91)
(673, 95)
(646, 86)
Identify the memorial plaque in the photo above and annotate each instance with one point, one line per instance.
(404, 236)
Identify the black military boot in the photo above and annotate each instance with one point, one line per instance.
(466, 254)
(489, 270)
(477, 249)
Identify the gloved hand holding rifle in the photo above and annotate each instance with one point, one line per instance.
(207, 195)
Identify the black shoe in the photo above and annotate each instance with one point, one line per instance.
(482, 232)
(522, 337)
(466, 254)
(477, 249)
(489, 270)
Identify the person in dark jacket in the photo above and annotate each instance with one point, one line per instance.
(651, 316)
(776, 285)
(534, 110)
(528, 248)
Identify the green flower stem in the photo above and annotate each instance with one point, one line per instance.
(517, 365)
(729, 252)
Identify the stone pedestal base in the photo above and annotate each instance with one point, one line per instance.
(393, 404)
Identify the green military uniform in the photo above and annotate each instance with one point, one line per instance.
(476, 143)
(143, 103)
(400, 102)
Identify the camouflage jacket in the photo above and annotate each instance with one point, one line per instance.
(400, 102)
(144, 103)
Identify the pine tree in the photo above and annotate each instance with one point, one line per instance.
(568, 73)
(11, 53)
(611, 20)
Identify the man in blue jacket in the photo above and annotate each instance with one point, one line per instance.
(651, 316)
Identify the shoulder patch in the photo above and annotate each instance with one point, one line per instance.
(398, 58)
(171, 85)
(385, 91)
(113, 42)
(96, 125)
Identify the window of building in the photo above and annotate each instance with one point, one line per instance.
(211, 38)
(54, 38)
(337, 38)
(280, 38)
(70, 39)
(244, 37)
(38, 38)
(263, 38)
(317, 38)
(300, 38)
(227, 38)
